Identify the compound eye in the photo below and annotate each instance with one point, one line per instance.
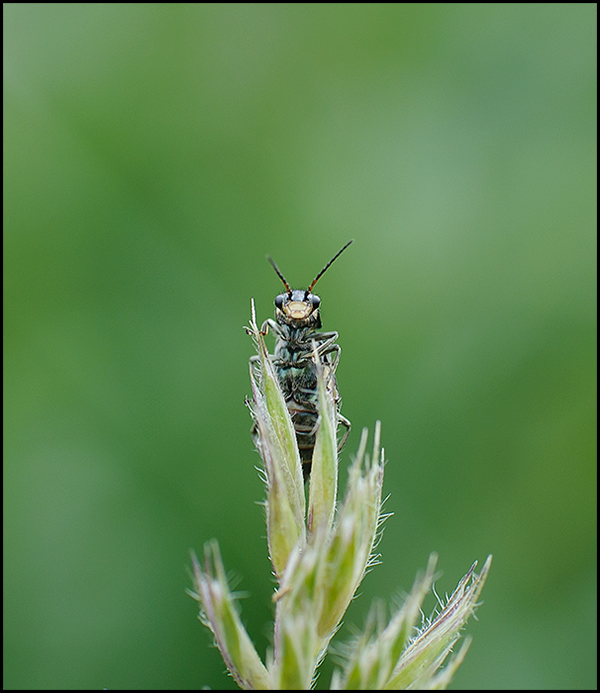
(315, 301)
(279, 301)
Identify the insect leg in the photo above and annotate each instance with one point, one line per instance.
(324, 340)
(336, 359)
(328, 345)
(269, 322)
(332, 366)
(346, 423)
(324, 343)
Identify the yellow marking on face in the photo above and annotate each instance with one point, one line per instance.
(298, 310)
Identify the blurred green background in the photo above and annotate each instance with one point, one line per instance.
(154, 153)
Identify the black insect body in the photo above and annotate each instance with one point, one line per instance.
(297, 317)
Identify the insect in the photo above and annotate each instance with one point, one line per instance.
(297, 317)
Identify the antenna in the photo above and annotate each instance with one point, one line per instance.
(287, 286)
(322, 272)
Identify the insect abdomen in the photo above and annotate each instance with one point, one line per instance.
(298, 379)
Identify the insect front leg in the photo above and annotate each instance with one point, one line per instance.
(324, 339)
(269, 322)
(326, 343)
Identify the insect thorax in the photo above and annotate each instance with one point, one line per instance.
(294, 363)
